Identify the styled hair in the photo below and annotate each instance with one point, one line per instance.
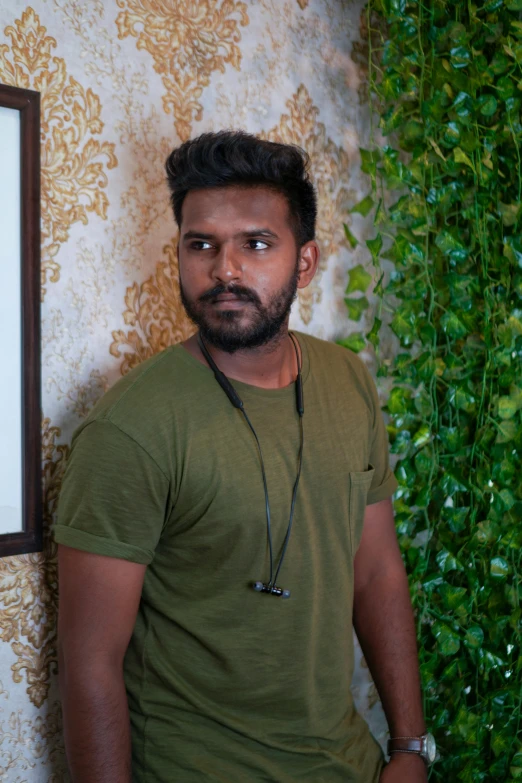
(219, 160)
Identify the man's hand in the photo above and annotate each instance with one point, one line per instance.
(404, 768)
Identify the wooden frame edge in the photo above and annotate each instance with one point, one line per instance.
(30, 539)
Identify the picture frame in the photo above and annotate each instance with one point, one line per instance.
(21, 528)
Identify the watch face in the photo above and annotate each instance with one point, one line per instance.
(431, 748)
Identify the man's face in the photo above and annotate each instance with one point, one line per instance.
(239, 265)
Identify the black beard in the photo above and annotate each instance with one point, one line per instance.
(266, 324)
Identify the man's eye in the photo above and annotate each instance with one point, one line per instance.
(198, 245)
(257, 242)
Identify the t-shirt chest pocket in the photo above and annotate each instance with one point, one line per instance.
(359, 486)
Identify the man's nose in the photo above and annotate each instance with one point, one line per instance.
(227, 266)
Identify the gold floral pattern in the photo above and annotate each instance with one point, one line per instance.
(29, 744)
(188, 41)
(73, 163)
(28, 588)
(155, 309)
(329, 165)
(222, 63)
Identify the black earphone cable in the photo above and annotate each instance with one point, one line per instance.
(294, 497)
(237, 402)
(267, 501)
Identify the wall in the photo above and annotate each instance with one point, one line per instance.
(122, 82)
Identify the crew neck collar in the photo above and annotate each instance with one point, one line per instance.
(250, 389)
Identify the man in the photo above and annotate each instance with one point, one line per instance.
(208, 483)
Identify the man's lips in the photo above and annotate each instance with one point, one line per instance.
(228, 298)
(229, 302)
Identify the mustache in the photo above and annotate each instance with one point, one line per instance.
(246, 294)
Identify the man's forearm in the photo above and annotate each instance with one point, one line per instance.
(96, 724)
(384, 623)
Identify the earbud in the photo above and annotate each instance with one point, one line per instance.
(263, 587)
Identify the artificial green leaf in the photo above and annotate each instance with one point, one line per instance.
(364, 207)
(501, 744)
(373, 335)
(490, 660)
(452, 134)
(499, 568)
(437, 149)
(462, 398)
(354, 342)
(516, 28)
(513, 250)
(375, 246)
(451, 482)
(431, 582)
(412, 133)
(507, 430)
(401, 442)
(486, 532)
(425, 366)
(392, 118)
(452, 596)
(487, 105)
(448, 243)
(380, 213)
(474, 637)
(451, 437)
(358, 279)
(356, 307)
(452, 325)
(499, 63)
(505, 87)
(467, 725)
(456, 518)
(461, 157)
(399, 400)
(448, 640)
(513, 105)
(460, 57)
(422, 437)
(507, 497)
(448, 562)
(370, 159)
(463, 104)
(515, 322)
(507, 407)
(349, 236)
(509, 213)
(403, 324)
(423, 461)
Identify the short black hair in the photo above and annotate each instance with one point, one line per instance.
(228, 157)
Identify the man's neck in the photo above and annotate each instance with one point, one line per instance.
(271, 366)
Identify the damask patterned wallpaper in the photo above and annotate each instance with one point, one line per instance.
(122, 82)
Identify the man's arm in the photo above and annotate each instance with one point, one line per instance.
(99, 599)
(384, 623)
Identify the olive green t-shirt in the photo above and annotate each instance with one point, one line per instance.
(226, 684)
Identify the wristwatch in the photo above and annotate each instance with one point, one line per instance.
(423, 746)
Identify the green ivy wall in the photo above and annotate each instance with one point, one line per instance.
(444, 168)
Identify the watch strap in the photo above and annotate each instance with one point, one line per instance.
(406, 745)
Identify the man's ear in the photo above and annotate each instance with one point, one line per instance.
(309, 256)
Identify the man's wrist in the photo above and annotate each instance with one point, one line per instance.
(404, 730)
(408, 761)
